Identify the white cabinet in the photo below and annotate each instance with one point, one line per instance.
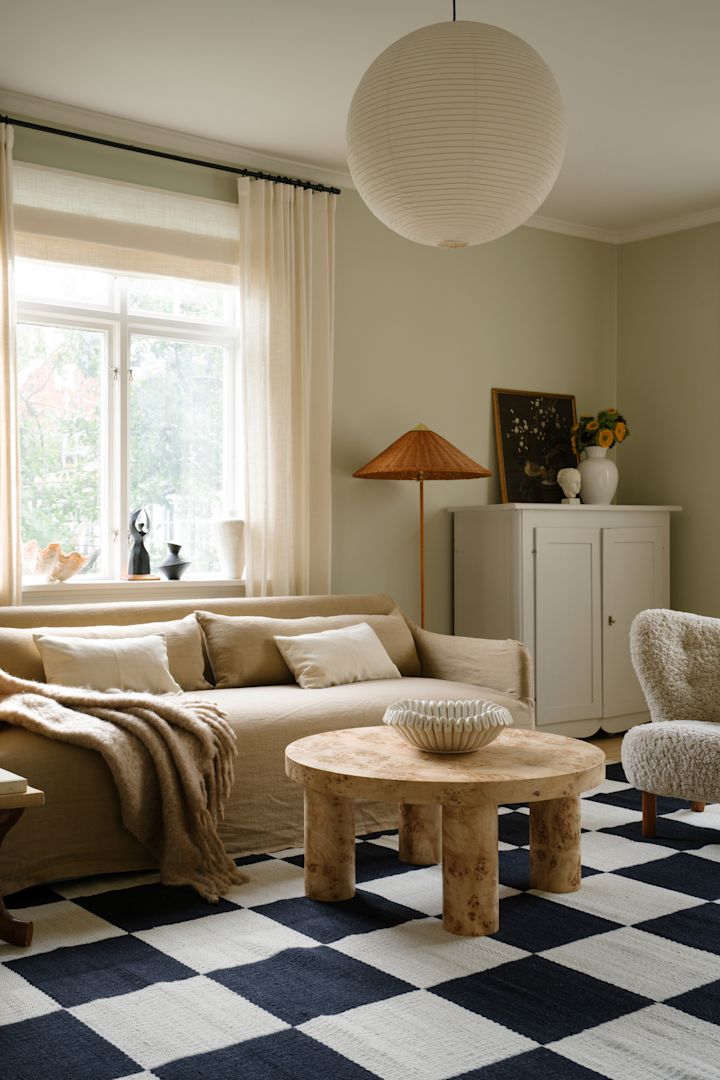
(568, 581)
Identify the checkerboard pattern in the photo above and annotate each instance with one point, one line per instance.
(129, 978)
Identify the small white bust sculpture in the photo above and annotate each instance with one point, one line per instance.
(569, 481)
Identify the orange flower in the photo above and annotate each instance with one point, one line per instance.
(612, 411)
(605, 438)
(620, 431)
(593, 425)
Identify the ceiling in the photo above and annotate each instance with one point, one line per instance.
(640, 80)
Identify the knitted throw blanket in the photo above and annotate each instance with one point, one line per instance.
(172, 764)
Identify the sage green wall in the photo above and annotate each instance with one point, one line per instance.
(422, 335)
(669, 390)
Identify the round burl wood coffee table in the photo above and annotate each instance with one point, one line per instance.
(447, 802)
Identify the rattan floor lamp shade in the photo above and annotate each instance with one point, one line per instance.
(421, 454)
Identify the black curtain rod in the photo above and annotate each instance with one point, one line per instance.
(254, 174)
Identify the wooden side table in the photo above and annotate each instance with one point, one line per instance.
(449, 805)
(12, 808)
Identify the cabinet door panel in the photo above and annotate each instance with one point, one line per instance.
(634, 578)
(568, 652)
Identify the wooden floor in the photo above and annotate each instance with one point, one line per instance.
(609, 743)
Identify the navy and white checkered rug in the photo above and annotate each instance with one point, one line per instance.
(128, 978)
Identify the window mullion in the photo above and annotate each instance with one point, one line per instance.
(120, 466)
(238, 464)
(237, 474)
(107, 426)
(229, 428)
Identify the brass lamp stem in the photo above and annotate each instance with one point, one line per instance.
(422, 550)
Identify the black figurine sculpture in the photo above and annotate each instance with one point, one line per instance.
(139, 561)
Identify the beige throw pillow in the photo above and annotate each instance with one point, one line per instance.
(243, 652)
(108, 664)
(336, 657)
(184, 639)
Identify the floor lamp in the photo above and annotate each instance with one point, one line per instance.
(421, 455)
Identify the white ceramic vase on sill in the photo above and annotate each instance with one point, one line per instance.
(599, 476)
(229, 537)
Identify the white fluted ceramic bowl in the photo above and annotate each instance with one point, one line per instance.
(448, 727)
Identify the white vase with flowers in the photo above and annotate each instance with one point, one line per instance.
(592, 437)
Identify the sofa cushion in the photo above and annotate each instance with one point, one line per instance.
(264, 811)
(139, 664)
(294, 713)
(243, 653)
(186, 660)
(336, 657)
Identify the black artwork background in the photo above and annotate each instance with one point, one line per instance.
(532, 432)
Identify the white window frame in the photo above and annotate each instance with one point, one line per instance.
(119, 326)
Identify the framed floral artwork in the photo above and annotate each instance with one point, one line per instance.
(532, 432)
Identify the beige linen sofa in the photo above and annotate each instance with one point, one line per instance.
(80, 832)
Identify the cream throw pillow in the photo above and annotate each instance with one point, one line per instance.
(108, 664)
(243, 652)
(335, 657)
(186, 658)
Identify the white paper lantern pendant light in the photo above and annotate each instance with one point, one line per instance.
(456, 134)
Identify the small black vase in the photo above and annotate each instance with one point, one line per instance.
(173, 565)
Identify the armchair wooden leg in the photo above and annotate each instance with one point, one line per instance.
(697, 807)
(649, 810)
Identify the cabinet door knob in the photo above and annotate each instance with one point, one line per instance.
(611, 621)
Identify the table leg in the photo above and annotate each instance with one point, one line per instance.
(555, 845)
(12, 930)
(471, 905)
(420, 826)
(329, 846)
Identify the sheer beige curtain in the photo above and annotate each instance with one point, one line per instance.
(9, 471)
(287, 263)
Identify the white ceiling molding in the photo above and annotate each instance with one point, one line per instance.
(568, 228)
(672, 225)
(627, 236)
(40, 110)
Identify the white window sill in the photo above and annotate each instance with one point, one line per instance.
(77, 591)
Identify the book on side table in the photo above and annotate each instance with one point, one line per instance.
(11, 783)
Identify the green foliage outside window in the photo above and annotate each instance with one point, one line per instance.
(58, 393)
(176, 443)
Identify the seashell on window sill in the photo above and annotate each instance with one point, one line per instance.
(49, 563)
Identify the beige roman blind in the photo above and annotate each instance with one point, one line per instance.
(90, 221)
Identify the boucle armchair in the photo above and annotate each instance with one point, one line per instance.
(676, 657)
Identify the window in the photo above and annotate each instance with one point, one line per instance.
(129, 396)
